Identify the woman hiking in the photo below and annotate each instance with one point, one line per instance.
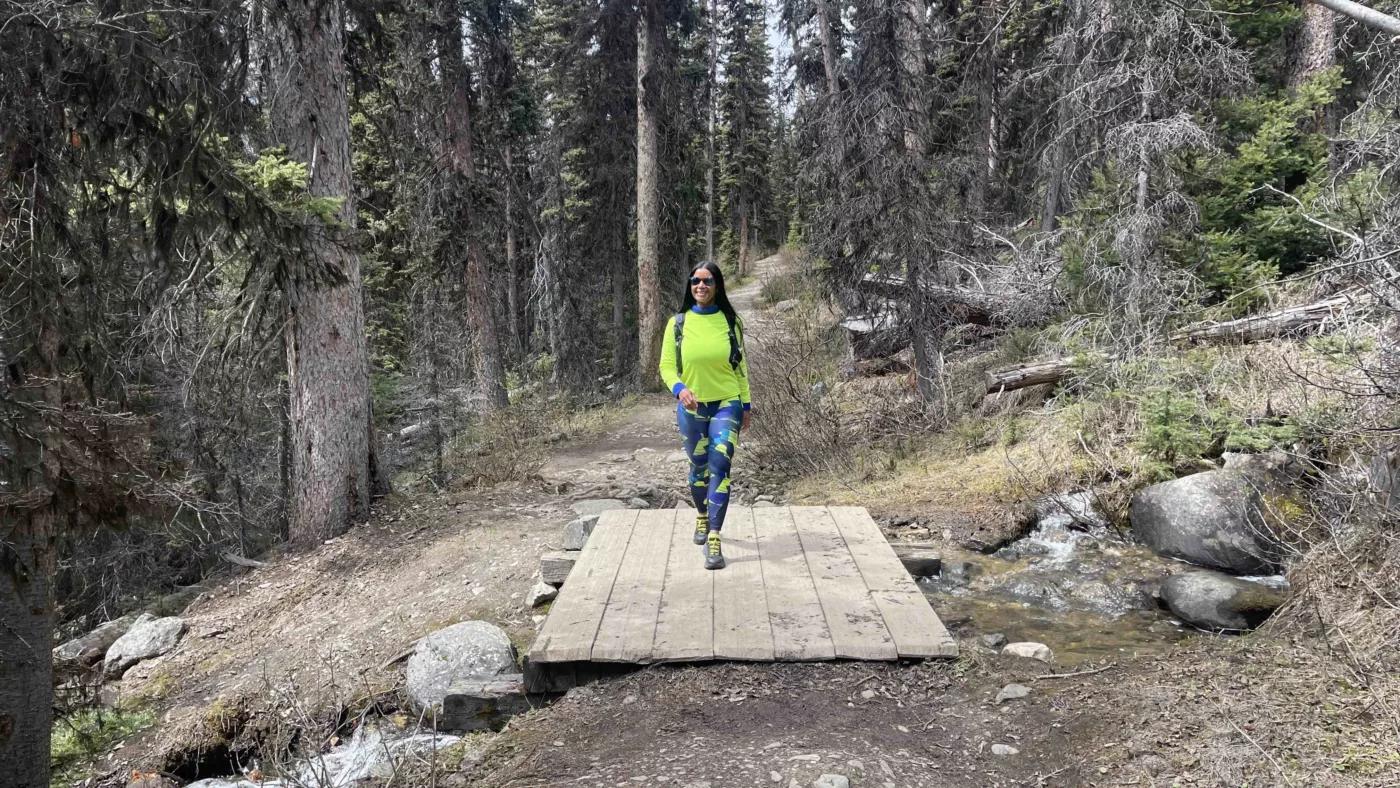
(702, 360)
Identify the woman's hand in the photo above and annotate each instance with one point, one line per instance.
(688, 399)
(745, 425)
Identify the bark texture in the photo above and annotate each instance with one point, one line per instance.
(481, 315)
(648, 209)
(327, 369)
(1312, 45)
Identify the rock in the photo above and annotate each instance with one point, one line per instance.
(471, 650)
(785, 306)
(638, 503)
(994, 640)
(83, 651)
(1029, 650)
(831, 781)
(763, 499)
(596, 506)
(555, 566)
(541, 593)
(577, 531)
(1218, 519)
(1004, 749)
(959, 573)
(148, 637)
(483, 704)
(1012, 692)
(763, 504)
(919, 560)
(1210, 600)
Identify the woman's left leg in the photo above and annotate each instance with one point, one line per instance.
(723, 441)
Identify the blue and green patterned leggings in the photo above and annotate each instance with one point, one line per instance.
(711, 435)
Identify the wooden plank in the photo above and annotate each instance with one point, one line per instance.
(742, 629)
(685, 618)
(629, 621)
(879, 566)
(568, 632)
(858, 630)
(916, 629)
(911, 620)
(794, 611)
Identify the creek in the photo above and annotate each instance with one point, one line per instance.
(1073, 583)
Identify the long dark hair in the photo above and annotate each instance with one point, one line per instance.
(721, 297)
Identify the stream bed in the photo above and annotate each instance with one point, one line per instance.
(1073, 583)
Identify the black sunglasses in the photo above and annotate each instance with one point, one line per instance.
(708, 281)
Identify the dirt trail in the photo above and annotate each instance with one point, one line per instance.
(326, 621)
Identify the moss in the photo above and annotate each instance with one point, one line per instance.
(84, 735)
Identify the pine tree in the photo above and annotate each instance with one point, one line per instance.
(746, 116)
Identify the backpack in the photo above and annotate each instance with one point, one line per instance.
(736, 356)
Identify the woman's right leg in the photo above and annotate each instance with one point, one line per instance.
(695, 431)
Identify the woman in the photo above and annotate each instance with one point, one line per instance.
(703, 363)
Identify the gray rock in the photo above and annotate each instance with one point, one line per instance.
(919, 560)
(1004, 749)
(596, 506)
(638, 503)
(148, 637)
(994, 640)
(958, 573)
(1029, 650)
(471, 650)
(763, 504)
(1217, 519)
(577, 531)
(1210, 600)
(1012, 692)
(831, 781)
(483, 704)
(541, 593)
(788, 305)
(555, 566)
(83, 651)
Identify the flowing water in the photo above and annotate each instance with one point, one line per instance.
(1073, 584)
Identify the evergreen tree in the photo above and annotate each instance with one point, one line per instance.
(746, 117)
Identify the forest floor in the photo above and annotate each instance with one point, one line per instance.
(318, 628)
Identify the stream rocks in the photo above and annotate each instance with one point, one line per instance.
(1210, 600)
(148, 637)
(1218, 519)
(83, 651)
(471, 650)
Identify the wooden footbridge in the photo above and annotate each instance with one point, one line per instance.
(802, 584)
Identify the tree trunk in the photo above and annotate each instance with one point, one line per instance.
(28, 547)
(743, 242)
(828, 48)
(1057, 179)
(327, 369)
(1311, 45)
(1367, 16)
(648, 210)
(713, 90)
(481, 315)
(517, 341)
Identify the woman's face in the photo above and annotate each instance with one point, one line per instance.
(702, 286)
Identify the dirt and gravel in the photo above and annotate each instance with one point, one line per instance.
(314, 634)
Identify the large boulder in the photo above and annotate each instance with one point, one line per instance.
(469, 650)
(1210, 600)
(1219, 519)
(148, 637)
(83, 651)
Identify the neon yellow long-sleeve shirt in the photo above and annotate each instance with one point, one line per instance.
(705, 368)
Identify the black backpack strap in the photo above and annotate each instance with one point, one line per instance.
(736, 355)
(680, 326)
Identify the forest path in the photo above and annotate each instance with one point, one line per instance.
(320, 627)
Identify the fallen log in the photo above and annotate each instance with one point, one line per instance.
(876, 336)
(1242, 331)
(1024, 375)
(967, 306)
(238, 560)
(1272, 324)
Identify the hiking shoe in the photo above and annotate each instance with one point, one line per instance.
(702, 527)
(714, 559)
